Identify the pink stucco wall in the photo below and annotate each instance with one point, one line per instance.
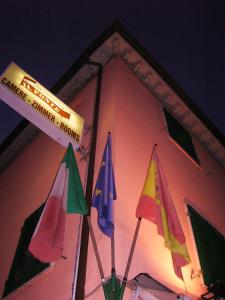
(135, 118)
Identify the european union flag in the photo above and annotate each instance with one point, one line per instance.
(105, 192)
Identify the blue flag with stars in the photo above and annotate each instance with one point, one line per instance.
(105, 192)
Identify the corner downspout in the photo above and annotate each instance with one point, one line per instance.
(82, 266)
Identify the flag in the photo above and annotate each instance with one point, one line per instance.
(156, 205)
(66, 196)
(105, 192)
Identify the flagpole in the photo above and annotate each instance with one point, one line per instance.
(95, 248)
(113, 271)
(113, 252)
(97, 257)
(124, 282)
(76, 261)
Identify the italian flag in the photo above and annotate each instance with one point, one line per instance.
(66, 196)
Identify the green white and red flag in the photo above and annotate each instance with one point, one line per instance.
(66, 196)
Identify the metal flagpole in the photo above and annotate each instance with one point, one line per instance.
(97, 257)
(77, 255)
(124, 282)
(95, 248)
(113, 271)
(113, 252)
(78, 243)
(96, 254)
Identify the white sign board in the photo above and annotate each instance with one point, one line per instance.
(29, 98)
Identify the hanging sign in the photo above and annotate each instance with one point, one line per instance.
(29, 98)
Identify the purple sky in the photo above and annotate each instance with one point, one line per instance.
(186, 37)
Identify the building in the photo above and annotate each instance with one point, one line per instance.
(140, 105)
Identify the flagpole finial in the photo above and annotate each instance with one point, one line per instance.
(154, 147)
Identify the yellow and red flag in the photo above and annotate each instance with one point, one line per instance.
(156, 205)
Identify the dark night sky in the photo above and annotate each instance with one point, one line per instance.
(187, 37)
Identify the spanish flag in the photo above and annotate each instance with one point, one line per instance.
(156, 205)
